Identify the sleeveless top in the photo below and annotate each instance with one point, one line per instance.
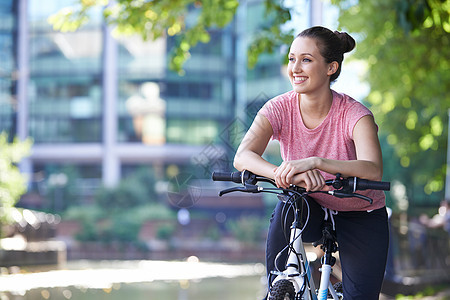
(332, 139)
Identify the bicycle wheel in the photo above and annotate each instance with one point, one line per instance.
(282, 290)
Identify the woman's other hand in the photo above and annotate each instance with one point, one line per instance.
(301, 172)
(285, 173)
(311, 180)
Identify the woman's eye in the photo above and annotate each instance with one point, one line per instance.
(291, 59)
(306, 60)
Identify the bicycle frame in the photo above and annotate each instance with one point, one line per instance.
(328, 261)
(298, 270)
(296, 280)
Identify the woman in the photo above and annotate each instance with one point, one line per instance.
(321, 133)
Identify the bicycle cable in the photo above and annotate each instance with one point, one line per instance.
(290, 244)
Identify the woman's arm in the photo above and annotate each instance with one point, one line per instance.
(249, 154)
(368, 165)
(369, 161)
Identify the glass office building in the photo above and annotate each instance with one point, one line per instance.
(8, 65)
(98, 107)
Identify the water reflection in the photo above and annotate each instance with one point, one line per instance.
(134, 280)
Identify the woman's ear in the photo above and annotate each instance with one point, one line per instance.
(332, 68)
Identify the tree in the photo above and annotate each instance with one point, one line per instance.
(12, 182)
(154, 19)
(406, 45)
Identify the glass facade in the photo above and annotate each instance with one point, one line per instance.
(141, 110)
(99, 107)
(267, 77)
(8, 65)
(64, 91)
(158, 107)
(57, 186)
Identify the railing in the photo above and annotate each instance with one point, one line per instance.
(419, 256)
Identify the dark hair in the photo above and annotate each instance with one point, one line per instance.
(332, 45)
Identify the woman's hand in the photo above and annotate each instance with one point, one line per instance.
(285, 173)
(301, 172)
(311, 180)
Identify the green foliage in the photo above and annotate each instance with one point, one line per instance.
(12, 182)
(126, 195)
(151, 211)
(248, 229)
(415, 15)
(61, 195)
(154, 19)
(188, 21)
(406, 44)
(123, 229)
(88, 216)
(271, 35)
(84, 213)
(165, 231)
(132, 191)
(427, 292)
(118, 213)
(122, 226)
(213, 233)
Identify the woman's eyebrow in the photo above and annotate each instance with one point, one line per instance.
(301, 54)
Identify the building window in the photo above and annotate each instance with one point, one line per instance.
(192, 132)
(64, 93)
(55, 187)
(8, 65)
(187, 89)
(142, 113)
(65, 109)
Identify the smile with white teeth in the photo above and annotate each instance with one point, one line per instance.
(299, 78)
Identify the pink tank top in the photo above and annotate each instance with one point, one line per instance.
(332, 139)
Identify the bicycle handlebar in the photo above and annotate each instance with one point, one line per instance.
(344, 187)
(358, 184)
(228, 176)
(354, 183)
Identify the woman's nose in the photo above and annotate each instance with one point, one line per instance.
(296, 68)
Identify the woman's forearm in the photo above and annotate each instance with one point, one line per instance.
(251, 161)
(250, 151)
(359, 168)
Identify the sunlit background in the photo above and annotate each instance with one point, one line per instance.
(119, 203)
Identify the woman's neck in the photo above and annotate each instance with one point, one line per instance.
(315, 107)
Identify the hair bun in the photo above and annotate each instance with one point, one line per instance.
(347, 42)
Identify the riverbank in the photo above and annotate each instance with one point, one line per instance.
(441, 294)
(104, 274)
(112, 279)
(225, 250)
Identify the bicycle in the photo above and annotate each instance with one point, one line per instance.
(295, 282)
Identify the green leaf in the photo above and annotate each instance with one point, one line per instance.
(12, 182)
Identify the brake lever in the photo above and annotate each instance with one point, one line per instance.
(363, 197)
(230, 190)
(248, 188)
(340, 194)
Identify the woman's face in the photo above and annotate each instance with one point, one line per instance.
(307, 69)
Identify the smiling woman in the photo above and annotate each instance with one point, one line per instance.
(322, 133)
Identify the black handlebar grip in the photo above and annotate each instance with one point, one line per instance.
(364, 184)
(227, 176)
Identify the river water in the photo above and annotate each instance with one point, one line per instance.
(135, 280)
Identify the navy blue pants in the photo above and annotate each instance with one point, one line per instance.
(362, 237)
